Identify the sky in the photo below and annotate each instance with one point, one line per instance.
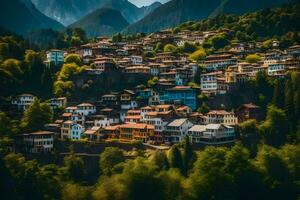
(141, 3)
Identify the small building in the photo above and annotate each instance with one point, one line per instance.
(209, 82)
(38, 142)
(60, 102)
(136, 60)
(55, 56)
(177, 130)
(86, 109)
(71, 130)
(23, 101)
(212, 134)
(180, 95)
(221, 117)
(139, 132)
(248, 111)
(93, 134)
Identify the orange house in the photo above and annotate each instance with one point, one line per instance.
(139, 131)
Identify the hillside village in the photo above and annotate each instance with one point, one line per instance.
(165, 110)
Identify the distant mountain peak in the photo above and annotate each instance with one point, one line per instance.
(21, 17)
(102, 22)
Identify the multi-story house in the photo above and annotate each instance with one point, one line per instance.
(219, 62)
(212, 134)
(221, 117)
(180, 95)
(103, 121)
(139, 132)
(209, 83)
(136, 60)
(133, 116)
(71, 130)
(38, 142)
(86, 109)
(55, 56)
(276, 69)
(248, 111)
(23, 101)
(159, 120)
(177, 130)
(127, 98)
(60, 102)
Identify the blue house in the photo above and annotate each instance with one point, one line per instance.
(180, 95)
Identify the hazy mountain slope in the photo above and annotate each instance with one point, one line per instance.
(102, 22)
(22, 17)
(178, 11)
(70, 11)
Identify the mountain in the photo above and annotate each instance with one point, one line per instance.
(102, 22)
(177, 11)
(69, 11)
(21, 17)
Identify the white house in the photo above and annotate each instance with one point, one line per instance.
(104, 121)
(23, 101)
(86, 109)
(276, 69)
(60, 102)
(38, 142)
(56, 56)
(71, 130)
(212, 134)
(136, 60)
(209, 81)
(221, 117)
(177, 130)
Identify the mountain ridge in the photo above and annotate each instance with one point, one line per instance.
(175, 12)
(102, 22)
(21, 17)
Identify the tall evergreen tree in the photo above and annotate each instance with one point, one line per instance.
(187, 155)
(175, 158)
(278, 93)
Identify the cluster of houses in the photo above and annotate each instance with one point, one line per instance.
(165, 113)
(117, 118)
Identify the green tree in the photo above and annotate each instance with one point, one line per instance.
(169, 48)
(175, 158)
(158, 47)
(204, 108)
(219, 41)
(275, 128)
(253, 58)
(198, 55)
(188, 155)
(111, 157)
(5, 125)
(160, 159)
(73, 58)
(36, 116)
(248, 131)
(74, 167)
(278, 93)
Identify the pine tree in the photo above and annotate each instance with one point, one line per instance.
(187, 155)
(175, 158)
(278, 93)
(289, 98)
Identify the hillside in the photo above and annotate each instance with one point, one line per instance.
(70, 11)
(260, 25)
(102, 22)
(21, 17)
(178, 11)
